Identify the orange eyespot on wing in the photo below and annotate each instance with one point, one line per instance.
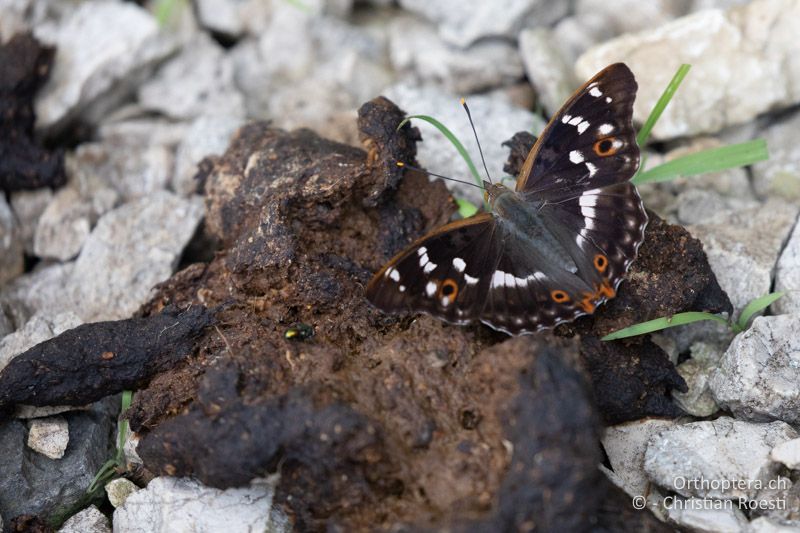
(606, 146)
(559, 296)
(600, 262)
(448, 289)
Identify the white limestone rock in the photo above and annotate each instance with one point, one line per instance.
(744, 62)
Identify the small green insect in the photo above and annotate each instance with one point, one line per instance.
(299, 332)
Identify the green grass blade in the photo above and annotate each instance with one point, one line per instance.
(661, 104)
(754, 307)
(713, 160)
(453, 139)
(164, 11)
(466, 208)
(662, 323)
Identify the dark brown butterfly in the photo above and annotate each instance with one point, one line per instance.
(549, 251)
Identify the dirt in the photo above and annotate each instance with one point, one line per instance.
(24, 163)
(392, 422)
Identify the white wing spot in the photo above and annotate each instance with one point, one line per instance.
(566, 118)
(605, 129)
(429, 267)
(459, 264)
(470, 280)
(445, 301)
(423, 258)
(510, 280)
(498, 278)
(582, 127)
(594, 91)
(575, 121)
(587, 200)
(402, 288)
(609, 99)
(592, 169)
(576, 156)
(422, 251)
(430, 288)
(394, 275)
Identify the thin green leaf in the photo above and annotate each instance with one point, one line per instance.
(466, 208)
(164, 10)
(661, 104)
(754, 307)
(102, 475)
(713, 160)
(662, 323)
(453, 139)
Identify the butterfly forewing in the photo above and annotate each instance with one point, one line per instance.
(590, 142)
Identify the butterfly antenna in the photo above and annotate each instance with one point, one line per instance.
(475, 133)
(403, 165)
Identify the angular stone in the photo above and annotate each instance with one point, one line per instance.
(208, 135)
(780, 174)
(89, 520)
(101, 47)
(547, 68)
(696, 459)
(744, 62)
(416, 49)
(464, 22)
(63, 227)
(787, 453)
(49, 436)
(118, 491)
(743, 246)
(28, 206)
(758, 378)
(132, 248)
(178, 504)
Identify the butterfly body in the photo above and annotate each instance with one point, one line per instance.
(552, 249)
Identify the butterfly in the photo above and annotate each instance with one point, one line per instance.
(552, 249)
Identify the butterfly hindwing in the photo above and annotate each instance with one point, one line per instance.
(445, 274)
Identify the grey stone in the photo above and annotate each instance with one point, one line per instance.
(609, 19)
(63, 227)
(547, 68)
(764, 524)
(496, 121)
(101, 48)
(625, 446)
(41, 327)
(696, 459)
(34, 484)
(172, 504)
(787, 275)
(28, 206)
(196, 80)
(699, 516)
(118, 491)
(40, 290)
(136, 130)
(759, 376)
(464, 22)
(787, 453)
(132, 248)
(208, 135)
(12, 250)
(743, 246)
(32, 411)
(744, 62)
(89, 520)
(780, 174)
(119, 169)
(698, 401)
(416, 49)
(49, 436)
(221, 16)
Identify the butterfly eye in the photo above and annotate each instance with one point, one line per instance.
(600, 263)
(605, 147)
(448, 289)
(559, 296)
